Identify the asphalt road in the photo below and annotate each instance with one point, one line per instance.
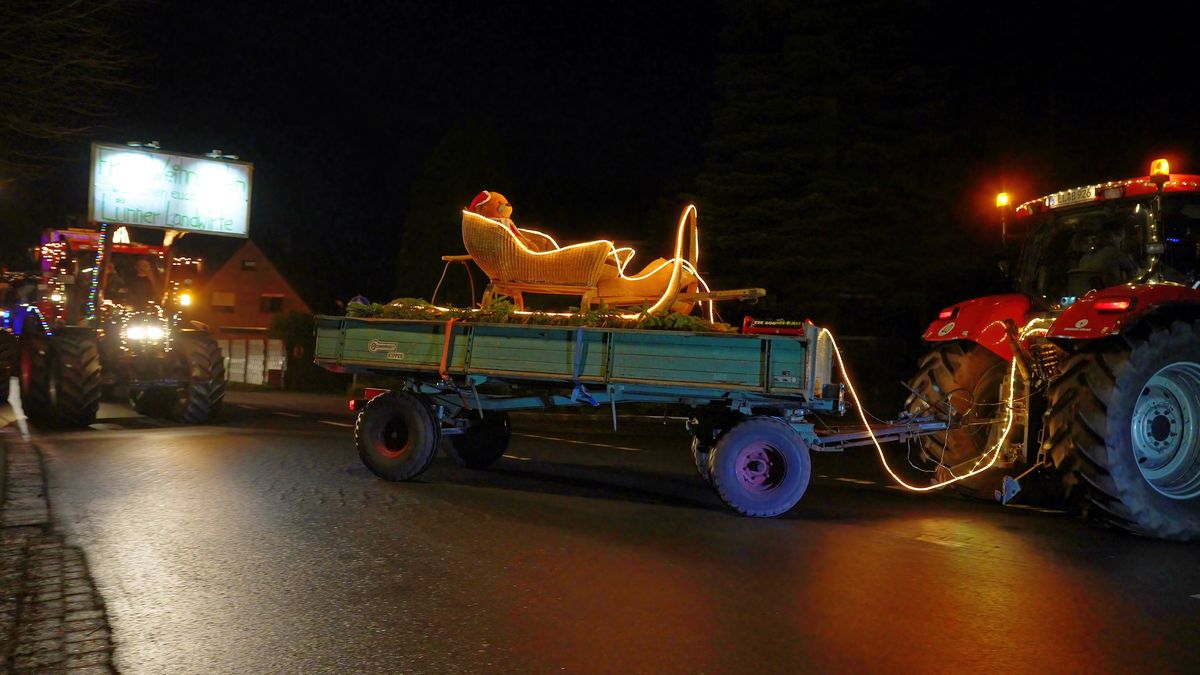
(261, 544)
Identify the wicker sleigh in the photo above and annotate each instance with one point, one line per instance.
(539, 265)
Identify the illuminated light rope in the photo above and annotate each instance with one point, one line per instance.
(991, 456)
(677, 261)
(99, 267)
(41, 318)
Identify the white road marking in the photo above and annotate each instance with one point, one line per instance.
(856, 481)
(247, 407)
(1196, 596)
(337, 424)
(1039, 509)
(896, 487)
(568, 440)
(821, 475)
(930, 539)
(523, 459)
(285, 414)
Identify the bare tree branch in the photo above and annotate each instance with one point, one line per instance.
(61, 68)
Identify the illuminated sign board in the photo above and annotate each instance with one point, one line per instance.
(171, 191)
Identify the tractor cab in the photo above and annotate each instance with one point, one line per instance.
(126, 276)
(1107, 235)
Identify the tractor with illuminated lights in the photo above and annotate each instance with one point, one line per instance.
(107, 315)
(1082, 387)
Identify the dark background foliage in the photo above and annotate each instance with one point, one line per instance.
(844, 155)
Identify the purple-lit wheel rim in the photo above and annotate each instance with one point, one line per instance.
(760, 467)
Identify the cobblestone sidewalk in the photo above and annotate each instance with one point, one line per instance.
(51, 617)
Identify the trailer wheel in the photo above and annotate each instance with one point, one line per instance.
(396, 436)
(760, 467)
(1124, 425)
(968, 377)
(700, 453)
(482, 443)
(201, 365)
(705, 428)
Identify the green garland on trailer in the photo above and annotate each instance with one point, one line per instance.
(501, 311)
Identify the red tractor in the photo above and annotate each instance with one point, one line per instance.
(1084, 384)
(106, 315)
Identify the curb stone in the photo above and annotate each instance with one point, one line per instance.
(51, 617)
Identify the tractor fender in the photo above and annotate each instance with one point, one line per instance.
(981, 321)
(1109, 311)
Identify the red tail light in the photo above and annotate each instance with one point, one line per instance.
(1113, 304)
(948, 313)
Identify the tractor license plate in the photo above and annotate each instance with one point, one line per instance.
(1072, 196)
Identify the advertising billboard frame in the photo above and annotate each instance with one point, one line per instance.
(166, 156)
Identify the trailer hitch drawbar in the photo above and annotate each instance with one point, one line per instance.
(899, 431)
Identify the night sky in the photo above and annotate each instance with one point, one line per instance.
(596, 118)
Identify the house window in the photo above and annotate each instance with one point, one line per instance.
(249, 265)
(270, 303)
(222, 302)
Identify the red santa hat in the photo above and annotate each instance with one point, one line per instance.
(479, 200)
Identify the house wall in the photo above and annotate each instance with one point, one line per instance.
(243, 296)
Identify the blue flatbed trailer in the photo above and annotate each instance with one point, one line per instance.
(752, 395)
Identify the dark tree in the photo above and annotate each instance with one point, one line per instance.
(469, 158)
(61, 65)
(827, 177)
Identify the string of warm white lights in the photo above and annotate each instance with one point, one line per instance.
(679, 263)
(980, 466)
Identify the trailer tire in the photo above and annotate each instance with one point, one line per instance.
(396, 436)
(200, 360)
(970, 377)
(482, 443)
(1124, 430)
(700, 454)
(760, 467)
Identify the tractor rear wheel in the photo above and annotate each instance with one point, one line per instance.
(1124, 430)
(968, 377)
(202, 367)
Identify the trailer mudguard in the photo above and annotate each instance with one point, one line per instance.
(1109, 311)
(982, 321)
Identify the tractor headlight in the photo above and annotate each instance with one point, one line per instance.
(185, 299)
(143, 331)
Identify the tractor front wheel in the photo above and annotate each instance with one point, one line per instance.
(8, 354)
(964, 377)
(60, 378)
(201, 366)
